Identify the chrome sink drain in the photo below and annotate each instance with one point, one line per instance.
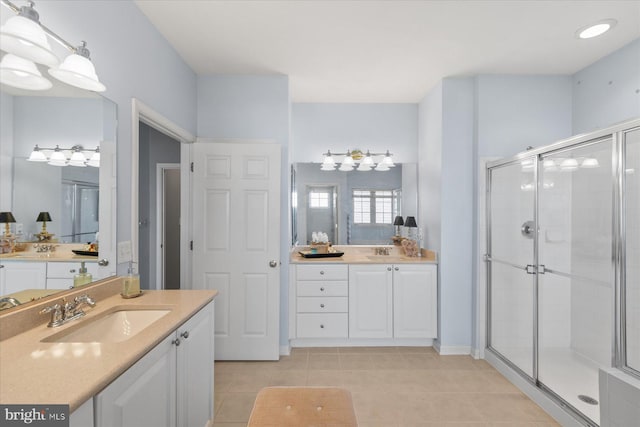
(587, 399)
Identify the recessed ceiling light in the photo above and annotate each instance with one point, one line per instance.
(594, 30)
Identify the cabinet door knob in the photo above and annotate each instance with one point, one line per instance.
(388, 268)
(321, 326)
(73, 270)
(185, 334)
(321, 305)
(321, 273)
(176, 342)
(103, 262)
(397, 268)
(321, 289)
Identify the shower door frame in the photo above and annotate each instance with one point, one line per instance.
(618, 347)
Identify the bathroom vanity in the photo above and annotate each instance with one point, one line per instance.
(111, 379)
(362, 298)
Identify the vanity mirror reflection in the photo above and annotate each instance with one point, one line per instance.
(353, 208)
(80, 200)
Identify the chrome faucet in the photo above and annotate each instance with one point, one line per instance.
(67, 311)
(9, 302)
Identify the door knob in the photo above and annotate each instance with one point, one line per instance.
(103, 262)
(273, 263)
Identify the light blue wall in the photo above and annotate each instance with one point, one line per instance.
(514, 112)
(253, 107)
(317, 128)
(133, 60)
(607, 91)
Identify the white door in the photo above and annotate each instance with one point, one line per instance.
(236, 244)
(370, 301)
(415, 301)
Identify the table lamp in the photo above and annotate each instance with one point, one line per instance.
(7, 218)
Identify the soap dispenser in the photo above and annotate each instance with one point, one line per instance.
(82, 278)
(131, 284)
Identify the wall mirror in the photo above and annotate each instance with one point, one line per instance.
(80, 200)
(352, 208)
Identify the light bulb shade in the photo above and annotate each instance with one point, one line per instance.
(398, 220)
(94, 161)
(328, 160)
(348, 160)
(388, 161)
(22, 73)
(44, 217)
(78, 159)
(58, 158)
(368, 160)
(382, 167)
(26, 38)
(410, 222)
(78, 71)
(6, 217)
(344, 167)
(569, 164)
(37, 155)
(364, 167)
(590, 163)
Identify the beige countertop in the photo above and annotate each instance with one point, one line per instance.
(36, 372)
(364, 255)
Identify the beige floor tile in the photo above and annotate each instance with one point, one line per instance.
(452, 407)
(508, 407)
(332, 378)
(375, 407)
(289, 378)
(251, 382)
(324, 361)
(366, 350)
(330, 350)
(229, 424)
(388, 361)
(456, 362)
(482, 364)
(413, 350)
(356, 361)
(235, 407)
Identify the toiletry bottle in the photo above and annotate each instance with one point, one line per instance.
(82, 278)
(131, 284)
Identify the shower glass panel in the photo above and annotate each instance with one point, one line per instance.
(511, 299)
(632, 247)
(576, 280)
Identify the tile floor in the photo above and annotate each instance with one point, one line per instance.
(391, 387)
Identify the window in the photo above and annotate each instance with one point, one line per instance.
(318, 199)
(373, 206)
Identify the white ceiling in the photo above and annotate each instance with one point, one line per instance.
(387, 51)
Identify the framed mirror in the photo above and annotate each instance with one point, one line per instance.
(80, 200)
(352, 208)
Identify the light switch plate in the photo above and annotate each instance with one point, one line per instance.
(124, 251)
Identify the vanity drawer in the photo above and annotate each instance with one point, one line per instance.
(323, 304)
(330, 325)
(66, 270)
(323, 272)
(323, 289)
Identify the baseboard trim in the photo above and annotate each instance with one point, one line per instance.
(361, 342)
(450, 350)
(285, 350)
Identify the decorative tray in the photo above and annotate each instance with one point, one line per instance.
(87, 253)
(309, 254)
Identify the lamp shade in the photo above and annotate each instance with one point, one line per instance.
(398, 221)
(6, 217)
(22, 73)
(22, 35)
(78, 70)
(410, 222)
(44, 217)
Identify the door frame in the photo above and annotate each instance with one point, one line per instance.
(140, 112)
(160, 168)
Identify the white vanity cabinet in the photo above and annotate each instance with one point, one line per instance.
(16, 276)
(172, 385)
(415, 301)
(370, 301)
(322, 301)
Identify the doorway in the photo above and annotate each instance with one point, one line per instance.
(168, 225)
(156, 150)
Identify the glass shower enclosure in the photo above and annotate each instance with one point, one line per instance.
(556, 263)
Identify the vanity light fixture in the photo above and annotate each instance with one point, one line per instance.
(58, 156)
(24, 37)
(356, 159)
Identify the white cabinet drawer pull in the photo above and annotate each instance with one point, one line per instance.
(322, 289)
(321, 273)
(321, 305)
(321, 326)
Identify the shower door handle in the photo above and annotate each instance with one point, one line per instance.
(527, 229)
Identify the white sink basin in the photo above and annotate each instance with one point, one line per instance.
(116, 326)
